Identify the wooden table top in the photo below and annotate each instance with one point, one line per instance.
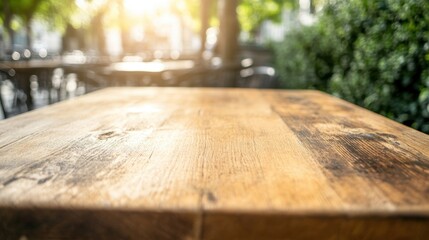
(179, 163)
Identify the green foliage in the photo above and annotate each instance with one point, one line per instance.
(55, 12)
(24, 9)
(251, 13)
(193, 9)
(304, 59)
(372, 53)
(63, 11)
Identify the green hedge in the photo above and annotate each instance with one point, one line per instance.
(373, 53)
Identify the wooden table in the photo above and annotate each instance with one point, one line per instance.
(178, 163)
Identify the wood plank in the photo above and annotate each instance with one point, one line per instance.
(177, 163)
(34, 223)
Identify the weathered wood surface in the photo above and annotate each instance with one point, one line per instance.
(176, 163)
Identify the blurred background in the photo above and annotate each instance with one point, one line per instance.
(372, 53)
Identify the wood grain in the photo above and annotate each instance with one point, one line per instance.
(178, 163)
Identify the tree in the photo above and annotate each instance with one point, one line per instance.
(25, 10)
(55, 12)
(205, 21)
(372, 53)
(228, 30)
(6, 16)
(251, 13)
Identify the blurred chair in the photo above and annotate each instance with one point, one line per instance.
(207, 77)
(3, 108)
(95, 79)
(12, 99)
(258, 77)
(212, 73)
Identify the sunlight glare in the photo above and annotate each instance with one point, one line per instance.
(137, 7)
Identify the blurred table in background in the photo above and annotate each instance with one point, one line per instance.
(203, 163)
(145, 73)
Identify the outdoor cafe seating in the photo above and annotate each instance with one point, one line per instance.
(28, 86)
(214, 119)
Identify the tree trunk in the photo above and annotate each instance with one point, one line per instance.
(11, 35)
(7, 24)
(29, 34)
(28, 17)
(228, 34)
(205, 16)
(125, 36)
(312, 7)
(98, 33)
